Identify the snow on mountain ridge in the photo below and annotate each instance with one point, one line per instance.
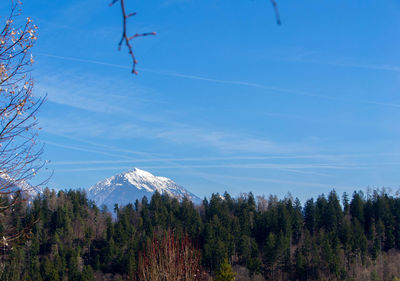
(126, 187)
(10, 186)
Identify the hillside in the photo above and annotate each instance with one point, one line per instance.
(264, 239)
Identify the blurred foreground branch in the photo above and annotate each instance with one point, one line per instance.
(128, 39)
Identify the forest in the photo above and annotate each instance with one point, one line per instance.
(331, 237)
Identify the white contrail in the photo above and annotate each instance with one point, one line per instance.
(269, 180)
(81, 60)
(285, 167)
(328, 157)
(383, 67)
(194, 77)
(84, 149)
(231, 82)
(108, 147)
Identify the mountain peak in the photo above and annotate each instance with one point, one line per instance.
(134, 184)
(140, 172)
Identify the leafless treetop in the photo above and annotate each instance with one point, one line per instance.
(19, 150)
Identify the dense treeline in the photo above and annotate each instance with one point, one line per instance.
(354, 238)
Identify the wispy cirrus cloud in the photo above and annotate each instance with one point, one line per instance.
(199, 159)
(88, 93)
(277, 181)
(217, 178)
(76, 95)
(83, 149)
(99, 148)
(269, 166)
(178, 134)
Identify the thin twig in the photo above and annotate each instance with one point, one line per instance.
(276, 10)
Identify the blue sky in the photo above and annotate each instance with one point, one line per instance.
(225, 99)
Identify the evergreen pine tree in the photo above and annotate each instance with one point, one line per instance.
(225, 272)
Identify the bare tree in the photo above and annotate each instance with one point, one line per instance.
(170, 259)
(19, 150)
(128, 39)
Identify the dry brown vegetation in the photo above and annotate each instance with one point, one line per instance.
(170, 259)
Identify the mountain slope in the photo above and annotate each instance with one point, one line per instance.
(9, 187)
(126, 187)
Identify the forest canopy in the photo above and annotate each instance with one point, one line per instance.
(355, 238)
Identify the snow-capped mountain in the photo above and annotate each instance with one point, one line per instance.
(7, 184)
(126, 187)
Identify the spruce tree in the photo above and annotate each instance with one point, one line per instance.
(225, 272)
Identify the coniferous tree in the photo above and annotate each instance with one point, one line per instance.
(225, 272)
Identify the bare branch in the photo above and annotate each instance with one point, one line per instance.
(125, 38)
